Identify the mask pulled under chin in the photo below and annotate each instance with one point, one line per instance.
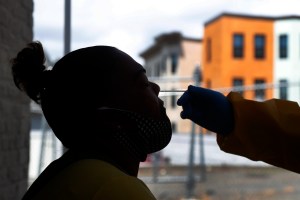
(140, 134)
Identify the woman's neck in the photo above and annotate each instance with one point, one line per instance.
(117, 157)
(128, 166)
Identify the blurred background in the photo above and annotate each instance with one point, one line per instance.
(252, 47)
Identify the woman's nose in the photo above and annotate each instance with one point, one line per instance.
(155, 88)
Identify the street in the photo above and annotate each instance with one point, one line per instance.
(228, 183)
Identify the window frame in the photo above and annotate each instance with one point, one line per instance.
(259, 94)
(238, 79)
(259, 51)
(283, 90)
(283, 49)
(174, 62)
(208, 50)
(238, 50)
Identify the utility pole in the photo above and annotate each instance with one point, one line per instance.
(67, 31)
(190, 184)
(44, 125)
(198, 80)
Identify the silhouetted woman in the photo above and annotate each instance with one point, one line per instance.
(101, 106)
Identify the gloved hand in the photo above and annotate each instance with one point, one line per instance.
(207, 108)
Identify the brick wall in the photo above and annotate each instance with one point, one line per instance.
(15, 31)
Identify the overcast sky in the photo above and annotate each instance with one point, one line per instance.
(131, 25)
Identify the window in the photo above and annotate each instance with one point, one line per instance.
(174, 63)
(259, 92)
(283, 94)
(157, 70)
(238, 83)
(238, 45)
(174, 127)
(283, 46)
(208, 50)
(163, 65)
(259, 41)
(173, 101)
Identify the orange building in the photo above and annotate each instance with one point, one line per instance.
(238, 51)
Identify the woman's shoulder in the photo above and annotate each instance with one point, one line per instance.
(83, 179)
(93, 169)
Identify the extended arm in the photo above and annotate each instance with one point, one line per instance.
(265, 131)
(261, 131)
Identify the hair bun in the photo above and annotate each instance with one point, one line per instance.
(28, 68)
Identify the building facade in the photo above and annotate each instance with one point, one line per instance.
(253, 51)
(171, 62)
(238, 51)
(258, 56)
(287, 58)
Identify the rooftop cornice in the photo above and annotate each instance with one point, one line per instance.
(258, 17)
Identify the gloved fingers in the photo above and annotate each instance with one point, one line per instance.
(183, 99)
(186, 110)
(198, 92)
(183, 115)
(189, 112)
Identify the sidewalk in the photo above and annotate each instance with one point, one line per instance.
(229, 183)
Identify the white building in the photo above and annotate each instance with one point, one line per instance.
(287, 57)
(171, 62)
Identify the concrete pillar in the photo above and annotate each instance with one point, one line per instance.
(16, 30)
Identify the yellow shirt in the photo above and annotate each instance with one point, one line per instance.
(92, 179)
(265, 131)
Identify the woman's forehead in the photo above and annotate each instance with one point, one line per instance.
(128, 65)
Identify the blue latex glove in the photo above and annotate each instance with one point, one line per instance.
(207, 108)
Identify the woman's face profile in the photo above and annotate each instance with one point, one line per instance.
(133, 91)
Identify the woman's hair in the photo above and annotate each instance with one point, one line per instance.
(29, 71)
(70, 93)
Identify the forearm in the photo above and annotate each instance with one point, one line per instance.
(265, 131)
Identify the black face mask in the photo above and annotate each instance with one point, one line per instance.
(139, 134)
